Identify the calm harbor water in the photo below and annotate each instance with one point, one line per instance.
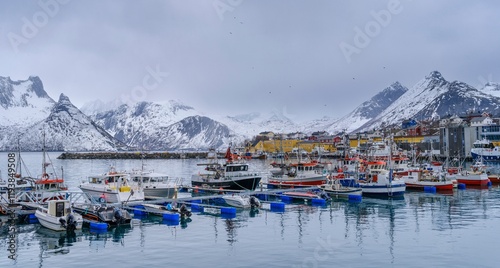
(423, 229)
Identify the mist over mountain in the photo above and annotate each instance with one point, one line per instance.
(30, 116)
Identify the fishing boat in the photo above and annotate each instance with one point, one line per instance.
(335, 189)
(160, 210)
(58, 216)
(419, 179)
(232, 175)
(301, 174)
(241, 201)
(473, 177)
(110, 215)
(47, 186)
(380, 182)
(494, 178)
(154, 184)
(484, 150)
(112, 187)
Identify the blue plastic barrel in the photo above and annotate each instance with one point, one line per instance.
(32, 218)
(461, 186)
(98, 225)
(354, 198)
(429, 189)
(318, 201)
(171, 216)
(278, 206)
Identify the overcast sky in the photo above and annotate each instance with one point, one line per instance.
(306, 59)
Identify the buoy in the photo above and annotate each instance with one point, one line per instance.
(318, 202)
(461, 186)
(429, 189)
(221, 190)
(196, 189)
(171, 216)
(277, 206)
(98, 225)
(354, 198)
(489, 183)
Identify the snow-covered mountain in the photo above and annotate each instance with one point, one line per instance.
(190, 133)
(432, 98)
(23, 102)
(136, 124)
(35, 113)
(249, 125)
(367, 110)
(492, 89)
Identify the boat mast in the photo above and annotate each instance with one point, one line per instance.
(44, 164)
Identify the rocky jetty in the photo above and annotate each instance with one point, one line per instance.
(131, 155)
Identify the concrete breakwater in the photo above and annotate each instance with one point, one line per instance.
(132, 155)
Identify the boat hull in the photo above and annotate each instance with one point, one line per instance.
(383, 190)
(286, 181)
(162, 192)
(473, 179)
(227, 183)
(495, 179)
(235, 201)
(53, 223)
(421, 185)
(487, 156)
(110, 196)
(343, 192)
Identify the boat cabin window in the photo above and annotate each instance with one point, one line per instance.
(59, 209)
(484, 145)
(236, 168)
(95, 180)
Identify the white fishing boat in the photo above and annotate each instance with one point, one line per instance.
(154, 184)
(112, 187)
(58, 216)
(380, 182)
(486, 151)
(419, 179)
(301, 174)
(335, 189)
(241, 201)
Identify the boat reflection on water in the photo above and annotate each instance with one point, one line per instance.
(99, 238)
(54, 242)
